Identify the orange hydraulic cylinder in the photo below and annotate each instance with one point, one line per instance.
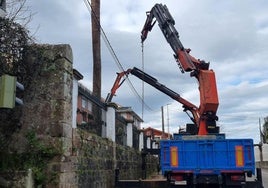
(185, 61)
(202, 130)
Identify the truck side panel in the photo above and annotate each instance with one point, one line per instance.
(208, 156)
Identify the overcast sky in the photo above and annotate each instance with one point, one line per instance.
(231, 35)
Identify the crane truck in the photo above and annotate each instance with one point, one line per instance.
(201, 156)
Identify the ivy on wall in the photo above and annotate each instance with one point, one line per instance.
(13, 39)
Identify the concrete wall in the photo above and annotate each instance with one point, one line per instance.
(74, 102)
(264, 153)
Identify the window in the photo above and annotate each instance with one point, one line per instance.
(84, 115)
(90, 117)
(89, 106)
(84, 102)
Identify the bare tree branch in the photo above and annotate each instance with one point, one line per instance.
(19, 12)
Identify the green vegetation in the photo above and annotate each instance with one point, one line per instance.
(265, 130)
(35, 157)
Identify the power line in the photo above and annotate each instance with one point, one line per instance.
(112, 52)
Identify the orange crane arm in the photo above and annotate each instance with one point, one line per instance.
(198, 68)
(188, 106)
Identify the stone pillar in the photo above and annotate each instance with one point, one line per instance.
(110, 121)
(153, 145)
(48, 107)
(148, 142)
(129, 134)
(141, 141)
(76, 76)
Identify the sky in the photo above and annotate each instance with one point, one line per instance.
(231, 35)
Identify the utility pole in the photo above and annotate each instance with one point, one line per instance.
(96, 46)
(163, 124)
(168, 121)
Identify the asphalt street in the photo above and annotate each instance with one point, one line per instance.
(265, 177)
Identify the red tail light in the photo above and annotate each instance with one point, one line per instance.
(238, 178)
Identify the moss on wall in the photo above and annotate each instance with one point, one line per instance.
(35, 157)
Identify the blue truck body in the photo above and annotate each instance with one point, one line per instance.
(207, 156)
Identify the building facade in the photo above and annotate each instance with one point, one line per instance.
(120, 124)
(155, 134)
(84, 105)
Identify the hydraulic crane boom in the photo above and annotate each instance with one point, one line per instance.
(166, 23)
(198, 68)
(153, 82)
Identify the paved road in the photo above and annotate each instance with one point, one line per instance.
(265, 158)
(265, 177)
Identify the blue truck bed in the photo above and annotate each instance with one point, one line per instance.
(213, 156)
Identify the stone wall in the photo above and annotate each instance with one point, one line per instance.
(39, 135)
(98, 158)
(43, 134)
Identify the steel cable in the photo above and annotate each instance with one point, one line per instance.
(112, 52)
